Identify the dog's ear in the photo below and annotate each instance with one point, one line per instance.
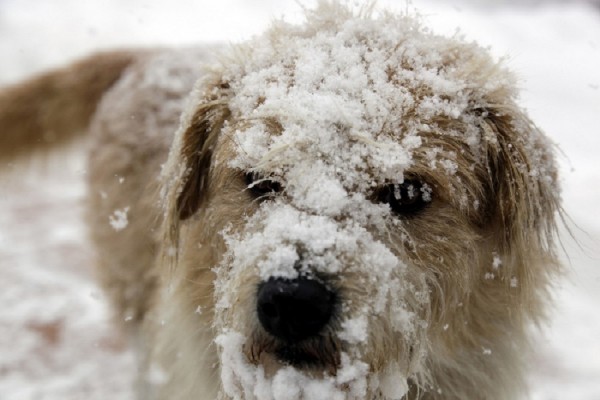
(198, 143)
(523, 177)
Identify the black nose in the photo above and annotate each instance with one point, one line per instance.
(293, 310)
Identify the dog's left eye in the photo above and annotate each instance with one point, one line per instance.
(407, 198)
(261, 186)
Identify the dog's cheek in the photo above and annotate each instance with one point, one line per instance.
(202, 245)
(235, 300)
(236, 283)
(387, 331)
(444, 246)
(381, 317)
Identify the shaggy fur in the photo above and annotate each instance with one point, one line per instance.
(478, 259)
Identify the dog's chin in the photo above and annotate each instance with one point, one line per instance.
(317, 356)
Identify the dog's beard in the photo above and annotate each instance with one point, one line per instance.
(241, 379)
(378, 304)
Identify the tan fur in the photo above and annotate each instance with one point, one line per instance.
(158, 270)
(51, 109)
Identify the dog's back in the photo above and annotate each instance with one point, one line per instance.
(128, 103)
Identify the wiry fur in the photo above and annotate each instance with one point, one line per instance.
(159, 270)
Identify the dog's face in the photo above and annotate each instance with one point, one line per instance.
(358, 187)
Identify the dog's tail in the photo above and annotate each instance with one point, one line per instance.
(52, 109)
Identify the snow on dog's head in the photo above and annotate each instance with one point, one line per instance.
(351, 178)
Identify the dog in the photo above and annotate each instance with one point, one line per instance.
(351, 208)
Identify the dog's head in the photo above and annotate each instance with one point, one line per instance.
(374, 205)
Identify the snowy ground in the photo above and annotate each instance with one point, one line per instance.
(55, 339)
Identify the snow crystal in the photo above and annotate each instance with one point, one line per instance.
(391, 383)
(496, 262)
(354, 330)
(171, 251)
(450, 166)
(156, 375)
(118, 220)
(426, 192)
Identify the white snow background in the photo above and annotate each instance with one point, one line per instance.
(56, 342)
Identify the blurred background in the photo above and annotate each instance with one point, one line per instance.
(56, 341)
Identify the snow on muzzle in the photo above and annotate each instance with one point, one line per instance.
(313, 292)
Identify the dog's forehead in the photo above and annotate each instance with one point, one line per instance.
(357, 95)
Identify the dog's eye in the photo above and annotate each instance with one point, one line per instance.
(406, 198)
(261, 186)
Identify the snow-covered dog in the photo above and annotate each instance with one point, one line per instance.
(352, 208)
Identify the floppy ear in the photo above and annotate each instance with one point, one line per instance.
(199, 140)
(523, 177)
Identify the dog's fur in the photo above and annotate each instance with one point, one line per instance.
(471, 313)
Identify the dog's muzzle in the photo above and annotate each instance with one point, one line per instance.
(293, 310)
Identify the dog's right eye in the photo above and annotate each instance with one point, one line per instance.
(260, 186)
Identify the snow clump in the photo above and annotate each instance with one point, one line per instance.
(118, 220)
